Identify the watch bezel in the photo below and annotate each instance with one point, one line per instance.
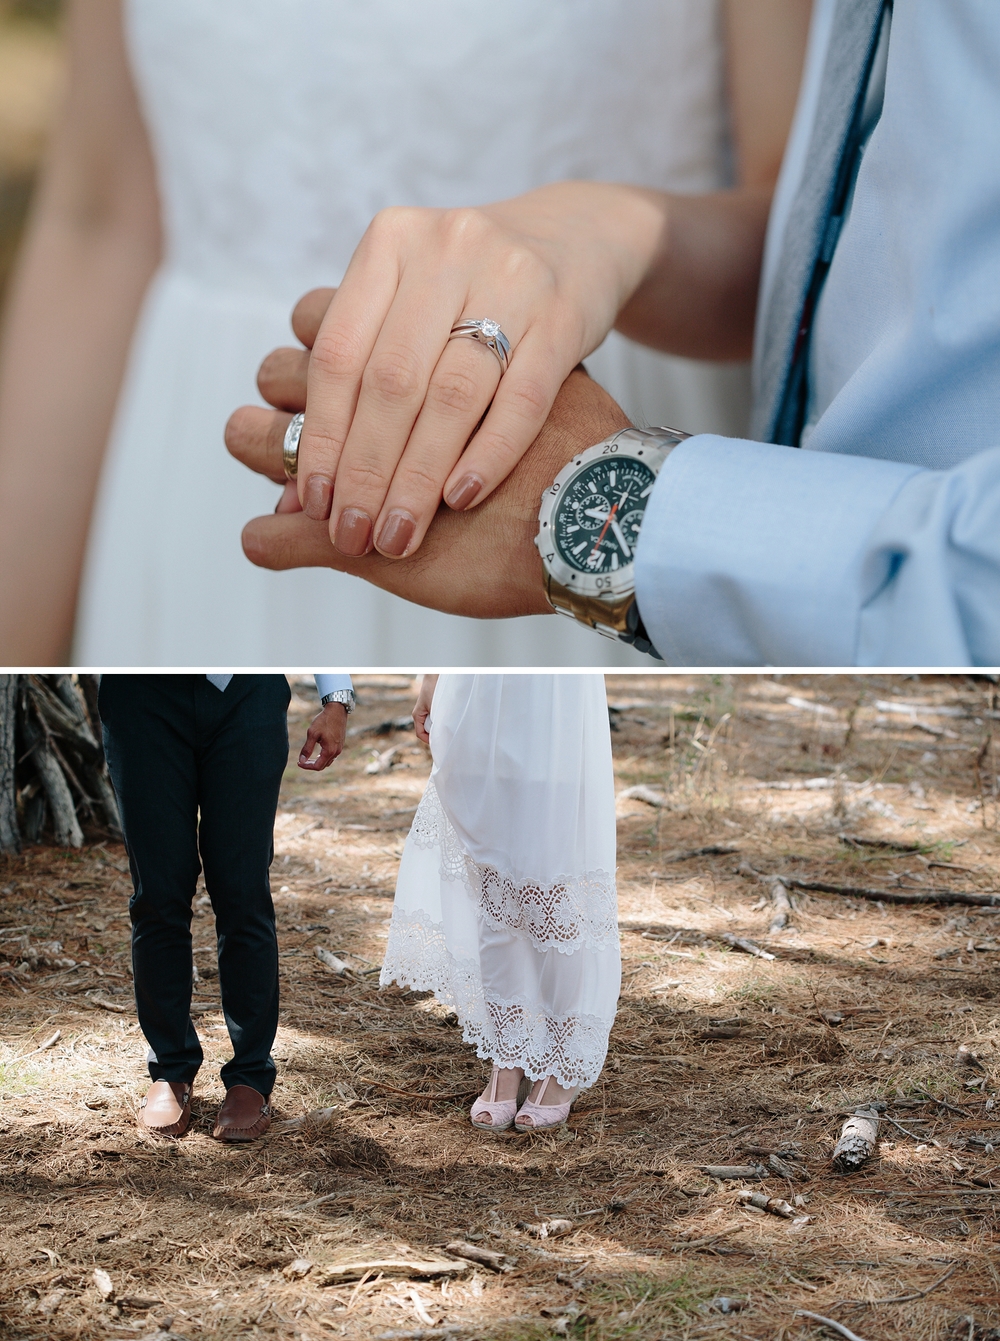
(650, 446)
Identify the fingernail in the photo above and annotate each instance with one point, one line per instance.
(353, 532)
(465, 492)
(317, 496)
(396, 534)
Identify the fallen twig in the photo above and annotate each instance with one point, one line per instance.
(828, 1322)
(897, 895)
(710, 850)
(747, 947)
(104, 1004)
(681, 1244)
(42, 1047)
(413, 1269)
(964, 896)
(723, 1171)
(916, 1294)
(962, 1112)
(927, 1140)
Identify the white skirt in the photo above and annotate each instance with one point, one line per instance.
(506, 907)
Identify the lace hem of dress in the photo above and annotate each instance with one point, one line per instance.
(565, 914)
(506, 1032)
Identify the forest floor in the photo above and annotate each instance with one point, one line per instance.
(717, 1057)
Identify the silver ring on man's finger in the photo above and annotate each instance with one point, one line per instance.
(290, 447)
(488, 333)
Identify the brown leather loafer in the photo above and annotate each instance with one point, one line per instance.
(244, 1115)
(166, 1109)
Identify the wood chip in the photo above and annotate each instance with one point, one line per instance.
(488, 1257)
(318, 1117)
(547, 1229)
(104, 1004)
(104, 1283)
(297, 1269)
(643, 793)
(334, 964)
(773, 1205)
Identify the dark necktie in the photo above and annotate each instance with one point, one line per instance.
(814, 223)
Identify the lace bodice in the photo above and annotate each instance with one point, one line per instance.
(268, 181)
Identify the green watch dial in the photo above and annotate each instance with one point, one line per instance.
(597, 520)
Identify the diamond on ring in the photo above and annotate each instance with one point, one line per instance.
(487, 332)
(290, 446)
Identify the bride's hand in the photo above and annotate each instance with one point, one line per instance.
(422, 708)
(393, 405)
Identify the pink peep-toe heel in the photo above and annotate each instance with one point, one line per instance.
(542, 1116)
(499, 1111)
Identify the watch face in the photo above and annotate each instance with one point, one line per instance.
(597, 520)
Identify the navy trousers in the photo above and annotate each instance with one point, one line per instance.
(196, 772)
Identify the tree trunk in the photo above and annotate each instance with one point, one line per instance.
(65, 824)
(10, 838)
(52, 761)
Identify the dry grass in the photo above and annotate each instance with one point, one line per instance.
(205, 1230)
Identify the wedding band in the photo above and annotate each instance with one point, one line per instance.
(488, 333)
(290, 447)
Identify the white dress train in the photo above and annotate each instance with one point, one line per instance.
(506, 907)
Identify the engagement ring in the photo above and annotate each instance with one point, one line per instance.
(488, 333)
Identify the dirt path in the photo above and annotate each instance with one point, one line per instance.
(717, 1057)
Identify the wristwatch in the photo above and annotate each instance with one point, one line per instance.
(588, 528)
(345, 696)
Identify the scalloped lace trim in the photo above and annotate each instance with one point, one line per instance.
(507, 1032)
(572, 912)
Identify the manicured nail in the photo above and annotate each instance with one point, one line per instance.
(317, 496)
(396, 534)
(465, 492)
(353, 532)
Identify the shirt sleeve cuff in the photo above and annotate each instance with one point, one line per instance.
(753, 554)
(326, 684)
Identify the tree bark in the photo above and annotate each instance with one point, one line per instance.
(65, 824)
(10, 838)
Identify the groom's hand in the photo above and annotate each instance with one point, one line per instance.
(327, 733)
(482, 563)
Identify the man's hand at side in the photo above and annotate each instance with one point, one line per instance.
(481, 563)
(327, 733)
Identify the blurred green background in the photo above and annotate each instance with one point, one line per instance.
(31, 82)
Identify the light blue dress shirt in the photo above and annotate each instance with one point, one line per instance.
(878, 543)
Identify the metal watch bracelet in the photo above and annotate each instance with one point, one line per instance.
(344, 696)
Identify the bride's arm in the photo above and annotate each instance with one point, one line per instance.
(92, 243)
(698, 294)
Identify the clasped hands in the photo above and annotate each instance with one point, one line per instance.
(401, 422)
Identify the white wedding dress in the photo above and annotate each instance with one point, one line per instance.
(279, 128)
(506, 907)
